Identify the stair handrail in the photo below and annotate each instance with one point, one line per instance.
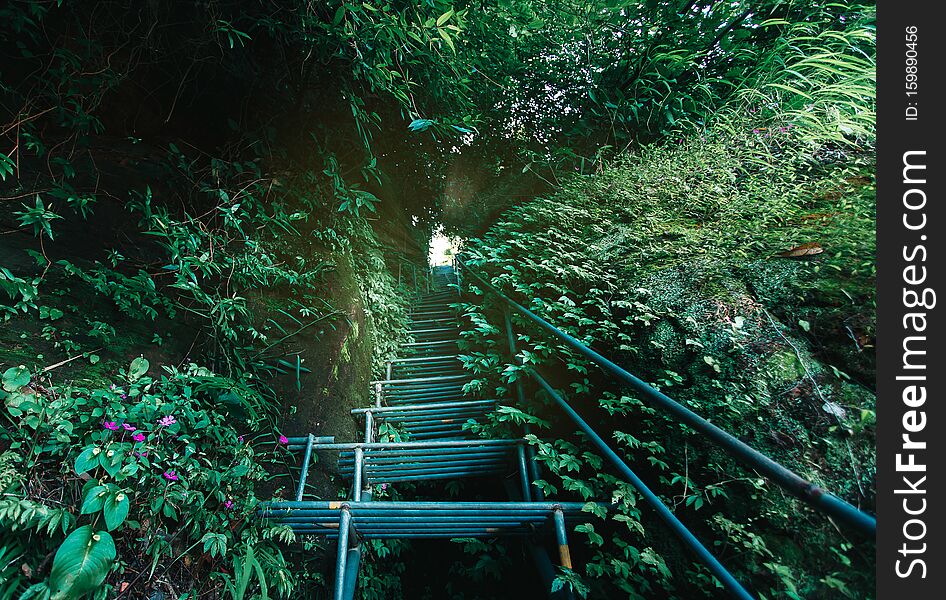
(790, 481)
(808, 492)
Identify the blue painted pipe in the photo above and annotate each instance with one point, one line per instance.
(376, 465)
(785, 478)
(361, 520)
(432, 406)
(439, 535)
(444, 358)
(340, 571)
(725, 577)
(376, 506)
(438, 467)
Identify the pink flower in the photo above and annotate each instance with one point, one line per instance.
(138, 437)
(384, 486)
(110, 425)
(171, 475)
(129, 427)
(240, 439)
(228, 504)
(283, 440)
(167, 421)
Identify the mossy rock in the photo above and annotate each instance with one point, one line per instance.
(783, 366)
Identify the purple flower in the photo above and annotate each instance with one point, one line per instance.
(110, 425)
(228, 504)
(141, 454)
(384, 486)
(138, 437)
(124, 396)
(171, 475)
(755, 131)
(129, 427)
(240, 439)
(167, 421)
(283, 440)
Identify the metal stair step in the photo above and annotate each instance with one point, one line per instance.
(376, 520)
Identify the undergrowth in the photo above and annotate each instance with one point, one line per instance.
(742, 287)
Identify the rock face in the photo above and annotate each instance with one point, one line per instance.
(745, 291)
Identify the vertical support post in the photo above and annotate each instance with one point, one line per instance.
(546, 570)
(369, 426)
(305, 467)
(389, 370)
(414, 274)
(359, 467)
(523, 473)
(521, 399)
(377, 395)
(344, 522)
(354, 561)
(564, 556)
(351, 572)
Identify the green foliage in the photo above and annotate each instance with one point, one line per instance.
(674, 262)
(39, 217)
(196, 176)
(81, 563)
(171, 462)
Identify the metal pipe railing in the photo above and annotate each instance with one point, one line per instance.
(793, 483)
(438, 508)
(416, 445)
(787, 479)
(565, 557)
(426, 407)
(442, 358)
(344, 522)
(521, 397)
(690, 540)
(305, 466)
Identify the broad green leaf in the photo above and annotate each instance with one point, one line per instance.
(138, 368)
(111, 461)
(15, 377)
(116, 509)
(88, 459)
(94, 500)
(81, 563)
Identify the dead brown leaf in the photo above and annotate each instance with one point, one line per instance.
(808, 249)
